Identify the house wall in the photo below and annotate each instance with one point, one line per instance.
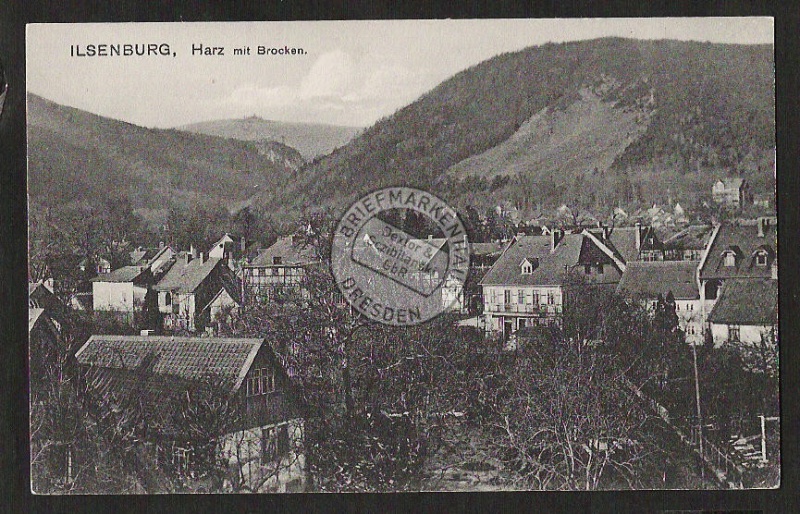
(748, 334)
(245, 450)
(259, 281)
(220, 304)
(532, 310)
(690, 319)
(115, 296)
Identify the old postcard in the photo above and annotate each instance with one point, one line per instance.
(379, 256)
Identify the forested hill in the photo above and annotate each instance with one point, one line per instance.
(602, 122)
(76, 156)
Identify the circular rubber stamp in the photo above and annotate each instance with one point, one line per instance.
(390, 275)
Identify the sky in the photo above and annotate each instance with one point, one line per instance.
(352, 72)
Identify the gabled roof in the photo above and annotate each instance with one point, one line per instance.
(693, 237)
(123, 274)
(189, 358)
(624, 240)
(747, 302)
(650, 279)
(290, 254)
(552, 264)
(33, 316)
(186, 278)
(741, 237)
(732, 182)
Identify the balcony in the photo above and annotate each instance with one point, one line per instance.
(517, 308)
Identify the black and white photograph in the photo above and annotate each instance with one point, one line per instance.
(397, 256)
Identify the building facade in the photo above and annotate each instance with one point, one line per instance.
(525, 286)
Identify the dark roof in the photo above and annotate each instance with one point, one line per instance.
(741, 237)
(186, 278)
(650, 279)
(693, 237)
(747, 302)
(486, 248)
(291, 254)
(190, 358)
(551, 264)
(624, 240)
(123, 274)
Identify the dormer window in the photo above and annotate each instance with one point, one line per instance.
(277, 260)
(761, 258)
(526, 267)
(729, 258)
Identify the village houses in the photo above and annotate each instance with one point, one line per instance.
(738, 278)
(647, 281)
(525, 285)
(157, 376)
(194, 291)
(277, 269)
(732, 192)
(122, 291)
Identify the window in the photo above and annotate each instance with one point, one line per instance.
(588, 269)
(734, 333)
(677, 306)
(260, 381)
(277, 259)
(507, 296)
(551, 298)
(274, 443)
(600, 268)
(761, 258)
(730, 258)
(536, 298)
(167, 299)
(527, 269)
(690, 330)
(520, 296)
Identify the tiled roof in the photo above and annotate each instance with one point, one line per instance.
(289, 253)
(551, 264)
(624, 240)
(741, 237)
(485, 248)
(123, 274)
(190, 358)
(186, 278)
(693, 237)
(747, 302)
(649, 279)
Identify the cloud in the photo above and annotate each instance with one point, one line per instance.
(332, 75)
(336, 89)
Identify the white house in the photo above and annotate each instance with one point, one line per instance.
(121, 291)
(743, 250)
(746, 312)
(524, 286)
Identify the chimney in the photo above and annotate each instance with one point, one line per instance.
(638, 236)
(187, 257)
(242, 245)
(160, 245)
(146, 332)
(761, 223)
(193, 251)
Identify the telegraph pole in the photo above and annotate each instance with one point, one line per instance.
(699, 416)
